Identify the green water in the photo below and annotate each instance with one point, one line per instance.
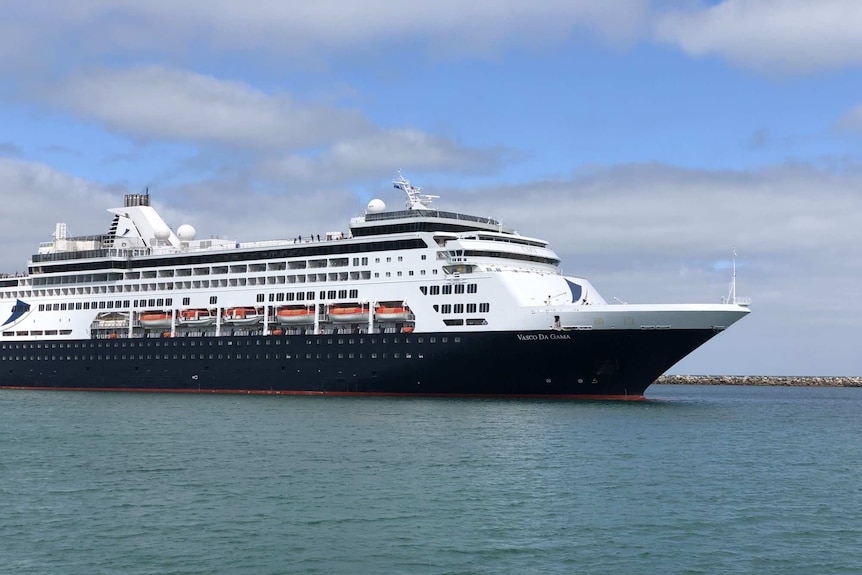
(698, 480)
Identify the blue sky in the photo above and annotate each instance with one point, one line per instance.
(644, 139)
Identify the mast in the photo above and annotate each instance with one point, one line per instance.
(415, 200)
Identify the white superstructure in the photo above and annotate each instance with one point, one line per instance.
(418, 269)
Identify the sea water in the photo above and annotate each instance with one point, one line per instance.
(695, 480)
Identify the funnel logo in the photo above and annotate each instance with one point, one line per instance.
(18, 310)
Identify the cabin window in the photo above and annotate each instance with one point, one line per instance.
(471, 288)
(484, 307)
(459, 288)
(471, 308)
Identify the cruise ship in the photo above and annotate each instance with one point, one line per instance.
(409, 302)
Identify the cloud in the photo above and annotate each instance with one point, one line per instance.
(35, 197)
(286, 139)
(771, 36)
(381, 151)
(166, 103)
(852, 120)
(301, 30)
(9, 149)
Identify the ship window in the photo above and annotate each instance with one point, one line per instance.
(477, 321)
(436, 307)
(446, 308)
(310, 295)
(447, 290)
(424, 290)
(458, 308)
(471, 308)
(424, 257)
(435, 290)
(410, 272)
(459, 288)
(354, 293)
(388, 260)
(399, 274)
(377, 275)
(279, 297)
(453, 321)
(377, 260)
(56, 307)
(260, 299)
(365, 261)
(300, 296)
(484, 307)
(186, 301)
(213, 299)
(388, 274)
(421, 272)
(434, 271)
(342, 293)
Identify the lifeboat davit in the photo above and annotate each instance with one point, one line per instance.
(242, 316)
(156, 319)
(348, 314)
(392, 313)
(196, 317)
(294, 315)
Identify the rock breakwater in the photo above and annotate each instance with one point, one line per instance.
(760, 380)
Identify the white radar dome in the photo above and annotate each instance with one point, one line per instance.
(162, 233)
(186, 233)
(375, 206)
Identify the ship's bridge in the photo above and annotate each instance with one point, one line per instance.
(469, 252)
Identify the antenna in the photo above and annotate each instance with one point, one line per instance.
(731, 294)
(415, 200)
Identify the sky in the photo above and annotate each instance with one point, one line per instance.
(647, 140)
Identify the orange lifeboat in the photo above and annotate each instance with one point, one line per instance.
(392, 313)
(348, 314)
(156, 319)
(242, 316)
(295, 315)
(196, 317)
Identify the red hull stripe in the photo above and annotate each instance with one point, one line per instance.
(334, 393)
